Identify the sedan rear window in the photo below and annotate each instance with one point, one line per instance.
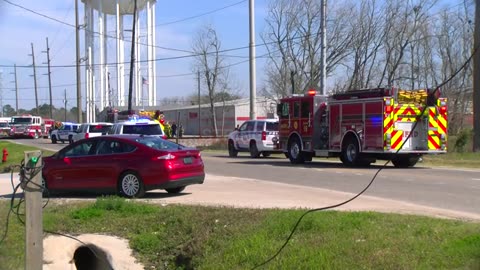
(149, 129)
(99, 128)
(272, 126)
(157, 143)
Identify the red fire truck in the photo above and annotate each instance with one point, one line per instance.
(26, 125)
(362, 126)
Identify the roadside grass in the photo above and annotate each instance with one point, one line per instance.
(16, 155)
(196, 237)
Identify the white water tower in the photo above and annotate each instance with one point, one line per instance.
(100, 69)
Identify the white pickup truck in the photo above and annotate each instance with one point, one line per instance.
(255, 136)
(64, 133)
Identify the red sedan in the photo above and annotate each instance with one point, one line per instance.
(127, 164)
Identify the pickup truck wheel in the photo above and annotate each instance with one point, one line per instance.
(295, 152)
(254, 150)
(54, 139)
(351, 153)
(232, 152)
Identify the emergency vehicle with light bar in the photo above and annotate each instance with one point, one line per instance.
(362, 126)
(26, 125)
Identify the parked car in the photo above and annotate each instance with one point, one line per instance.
(138, 126)
(127, 164)
(89, 130)
(64, 133)
(255, 136)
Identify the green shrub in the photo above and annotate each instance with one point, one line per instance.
(463, 138)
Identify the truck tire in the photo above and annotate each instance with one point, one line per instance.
(254, 150)
(232, 152)
(295, 151)
(351, 153)
(54, 139)
(405, 161)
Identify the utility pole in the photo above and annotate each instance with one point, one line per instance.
(199, 107)
(253, 90)
(35, 80)
(77, 41)
(323, 68)
(49, 79)
(65, 103)
(476, 80)
(132, 58)
(16, 88)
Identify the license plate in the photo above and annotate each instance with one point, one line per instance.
(188, 160)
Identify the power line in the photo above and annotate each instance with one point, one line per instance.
(95, 32)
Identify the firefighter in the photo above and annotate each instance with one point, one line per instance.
(158, 117)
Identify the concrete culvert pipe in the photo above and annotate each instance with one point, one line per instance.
(91, 257)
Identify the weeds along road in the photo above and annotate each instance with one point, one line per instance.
(443, 188)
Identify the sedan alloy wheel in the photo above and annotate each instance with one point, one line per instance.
(131, 185)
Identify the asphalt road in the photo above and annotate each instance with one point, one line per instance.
(451, 189)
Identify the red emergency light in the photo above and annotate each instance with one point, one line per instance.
(312, 92)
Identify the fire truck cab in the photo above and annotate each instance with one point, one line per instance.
(362, 126)
(26, 125)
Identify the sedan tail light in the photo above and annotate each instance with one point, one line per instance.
(164, 157)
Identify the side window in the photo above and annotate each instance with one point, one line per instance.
(305, 109)
(75, 128)
(260, 126)
(296, 109)
(282, 110)
(82, 149)
(243, 127)
(106, 147)
(250, 126)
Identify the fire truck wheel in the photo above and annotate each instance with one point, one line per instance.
(295, 151)
(350, 153)
(254, 150)
(405, 161)
(232, 152)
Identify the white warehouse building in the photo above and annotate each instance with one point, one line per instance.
(229, 115)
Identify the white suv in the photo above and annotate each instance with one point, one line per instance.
(255, 136)
(64, 133)
(89, 130)
(138, 126)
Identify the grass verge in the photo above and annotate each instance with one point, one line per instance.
(195, 237)
(16, 155)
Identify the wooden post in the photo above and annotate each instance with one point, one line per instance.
(33, 212)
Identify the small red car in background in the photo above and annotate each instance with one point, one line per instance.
(127, 164)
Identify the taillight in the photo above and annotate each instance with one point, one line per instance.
(388, 109)
(86, 136)
(164, 137)
(388, 105)
(164, 157)
(264, 135)
(443, 109)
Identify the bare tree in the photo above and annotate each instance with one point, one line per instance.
(212, 66)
